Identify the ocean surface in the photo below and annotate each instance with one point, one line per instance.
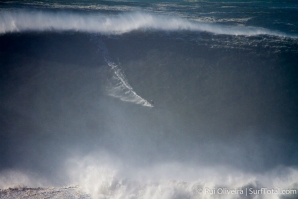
(156, 99)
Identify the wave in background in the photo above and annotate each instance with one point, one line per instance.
(19, 21)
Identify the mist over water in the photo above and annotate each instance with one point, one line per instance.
(77, 120)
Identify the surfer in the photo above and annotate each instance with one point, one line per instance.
(152, 102)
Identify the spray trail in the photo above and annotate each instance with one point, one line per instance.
(120, 88)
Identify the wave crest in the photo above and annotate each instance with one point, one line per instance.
(19, 21)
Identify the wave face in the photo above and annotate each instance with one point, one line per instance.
(19, 21)
(77, 119)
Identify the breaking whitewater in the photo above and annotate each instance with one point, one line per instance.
(160, 100)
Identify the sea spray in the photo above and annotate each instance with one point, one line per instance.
(22, 20)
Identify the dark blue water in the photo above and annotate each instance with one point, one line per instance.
(151, 99)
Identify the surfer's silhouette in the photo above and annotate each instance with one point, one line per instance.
(152, 102)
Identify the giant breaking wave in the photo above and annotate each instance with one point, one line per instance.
(25, 20)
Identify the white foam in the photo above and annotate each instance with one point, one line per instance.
(69, 192)
(24, 20)
(14, 178)
(170, 181)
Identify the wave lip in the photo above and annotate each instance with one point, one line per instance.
(24, 20)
